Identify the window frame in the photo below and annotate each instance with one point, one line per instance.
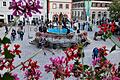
(54, 6)
(67, 6)
(4, 3)
(60, 6)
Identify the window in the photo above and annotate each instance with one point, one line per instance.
(10, 17)
(4, 3)
(93, 5)
(75, 13)
(67, 6)
(72, 12)
(103, 4)
(99, 14)
(82, 5)
(78, 5)
(10, 3)
(73, 6)
(98, 5)
(60, 6)
(93, 15)
(54, 6)
(106, 5)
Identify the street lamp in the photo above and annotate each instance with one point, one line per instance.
(47, 9)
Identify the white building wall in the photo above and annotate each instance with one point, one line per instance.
(93, 9)
(58, 10)
(5, 11)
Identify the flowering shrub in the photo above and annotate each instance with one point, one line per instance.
(107, 29)
(58, 67)
(31, 70)
(7, 59)
(25, 7)
(101, 69)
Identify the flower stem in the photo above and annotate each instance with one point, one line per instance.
(36, 53)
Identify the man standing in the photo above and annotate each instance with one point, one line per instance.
(21, 35)
(95, 52)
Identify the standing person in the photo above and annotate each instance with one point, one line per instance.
(6, 28)
(79, 25)
(21, 35)
(18, 32)
(13, 35)
(95, 52)
(83, 25)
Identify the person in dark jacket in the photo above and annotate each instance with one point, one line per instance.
(95, 52)
(21, 35)
(13, 35)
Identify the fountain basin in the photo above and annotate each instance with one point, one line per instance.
(57, 30)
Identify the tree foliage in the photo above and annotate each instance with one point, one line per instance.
(114, 9)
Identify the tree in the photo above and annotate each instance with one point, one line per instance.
(114, 9)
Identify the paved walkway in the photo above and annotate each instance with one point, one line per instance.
(116, 40)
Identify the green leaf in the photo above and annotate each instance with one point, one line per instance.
(103, 59)
(6, 40)
(86, 67)
(104, 36)
(102, 71)
(110, 65)
(77, 62)
(7, 76)
(8, 55)
(110, 35)
(97, 77)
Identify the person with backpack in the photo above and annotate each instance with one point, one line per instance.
(21, 35)
(13, 35)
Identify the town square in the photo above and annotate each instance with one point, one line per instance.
(59, 39)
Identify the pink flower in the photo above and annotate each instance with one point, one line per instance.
(71, 67)
(16, 77)
(116, 78)
(25, 7)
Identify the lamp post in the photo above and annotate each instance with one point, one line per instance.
(47, 9)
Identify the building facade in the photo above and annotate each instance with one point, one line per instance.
(6, 14)
(98, 10)
(59, 6)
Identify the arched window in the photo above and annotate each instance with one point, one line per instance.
(54, 6)
(105, 14)
(99, 14)
(93, 15)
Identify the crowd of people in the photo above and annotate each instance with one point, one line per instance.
(15, 33)
(44, 25)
